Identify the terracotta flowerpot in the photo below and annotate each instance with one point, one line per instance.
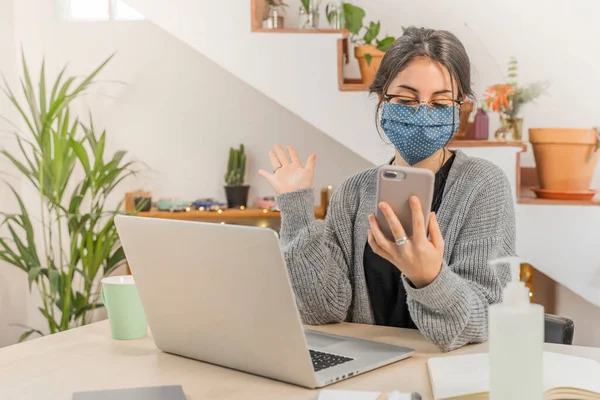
(368, 70)
(562, 157)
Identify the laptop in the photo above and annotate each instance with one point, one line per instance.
(221, 294)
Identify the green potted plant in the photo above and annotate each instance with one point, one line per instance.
(369, 49)
(235, 190)
(66, 241)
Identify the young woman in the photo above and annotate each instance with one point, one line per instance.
(344, 269)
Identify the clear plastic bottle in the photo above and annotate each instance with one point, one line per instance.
(516, 340)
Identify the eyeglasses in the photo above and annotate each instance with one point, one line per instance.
(439, 110)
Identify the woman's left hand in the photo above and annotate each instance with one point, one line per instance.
(420, 260)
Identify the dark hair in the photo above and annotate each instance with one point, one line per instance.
(440, 46)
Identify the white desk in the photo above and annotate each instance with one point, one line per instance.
(87, 358)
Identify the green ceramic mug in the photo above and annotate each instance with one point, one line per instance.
(124, 307)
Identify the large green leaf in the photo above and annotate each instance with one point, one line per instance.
(57, 84)
(9, 94)
(99, 152)
(385, 43)
(33, 169)
(29, 92)
(372, 32)
(90, 133)
(27, 253)
(33, 274)
(51, 321)
(7, 254)
(20, 166)
(61, 100)
(43, 91)
(353, 17)
(54, 281)
(306, 5)
(27, 225)
(82, 155)
(115, 259)
(28, 333)
(87, 307)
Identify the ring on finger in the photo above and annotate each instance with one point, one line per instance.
(403, 241)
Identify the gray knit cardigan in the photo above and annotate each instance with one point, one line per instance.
(325, 258)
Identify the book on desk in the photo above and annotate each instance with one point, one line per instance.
(174, 392)
(467, 377)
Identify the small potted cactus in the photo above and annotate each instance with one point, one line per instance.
(236, 191)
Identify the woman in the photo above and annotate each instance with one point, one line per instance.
(344, 269)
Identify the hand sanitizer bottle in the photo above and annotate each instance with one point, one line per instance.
(516, 340)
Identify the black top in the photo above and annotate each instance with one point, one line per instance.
(384, 283)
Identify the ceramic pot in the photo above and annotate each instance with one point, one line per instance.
(481, 124)
(565, 158)
(237, 196)
(368, 70)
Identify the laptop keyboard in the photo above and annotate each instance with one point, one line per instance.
(322, 360)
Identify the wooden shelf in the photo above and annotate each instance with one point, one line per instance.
(257, 12)
(353, 85)
(347, 84)
(529, 179)
(249, 213)
(527, 196)
(486, 143)
(342, 32)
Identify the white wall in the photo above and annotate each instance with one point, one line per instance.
(298, 71)
(179, 113)
(14, 306)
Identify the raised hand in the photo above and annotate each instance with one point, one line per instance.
(288, 172)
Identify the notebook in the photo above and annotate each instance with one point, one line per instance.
(360, 395)
(145, 393)
(467, 377)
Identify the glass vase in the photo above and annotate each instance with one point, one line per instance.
(275, 18)
(335, 15)
(511, 130)
(308, 19)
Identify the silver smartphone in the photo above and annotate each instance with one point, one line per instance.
(395, 185)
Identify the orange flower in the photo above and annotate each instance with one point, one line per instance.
(498, 97)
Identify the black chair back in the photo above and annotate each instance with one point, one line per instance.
(558, 330)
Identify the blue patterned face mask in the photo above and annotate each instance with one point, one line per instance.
(417, 135)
